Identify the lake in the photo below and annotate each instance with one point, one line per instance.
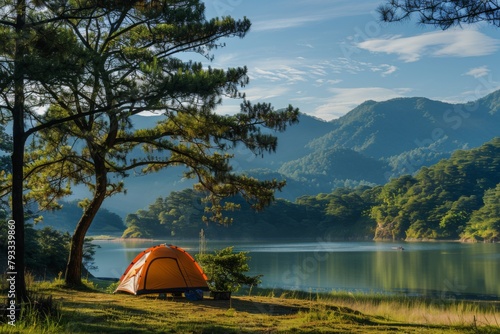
(442, 269)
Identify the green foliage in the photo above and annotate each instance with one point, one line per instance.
(46, 250)
(5, 147)
(440, 202)
(340, 215)
(178, 215)
(42, 314)
(111, 288)
(134, 68)
(225, 270)
(387, 213)
(51, 252)
(484, 224)
(330, 165)
(442, 14)
(5, 164)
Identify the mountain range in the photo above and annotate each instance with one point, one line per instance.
(371, 144)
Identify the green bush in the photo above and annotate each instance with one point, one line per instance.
(225, 270)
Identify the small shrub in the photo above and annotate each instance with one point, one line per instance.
(112, 287)
(225, 270)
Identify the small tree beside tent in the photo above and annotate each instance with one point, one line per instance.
(226, 270)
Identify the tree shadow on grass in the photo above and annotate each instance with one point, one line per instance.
(249, 305)
(253, 306)
(97, 312)
(114, 318)
(104, 313)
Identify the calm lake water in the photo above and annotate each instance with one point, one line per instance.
(443, 269)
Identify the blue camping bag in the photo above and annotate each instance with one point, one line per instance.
(194, 295)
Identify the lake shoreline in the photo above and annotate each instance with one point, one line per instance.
(318, 239)
(429, 295)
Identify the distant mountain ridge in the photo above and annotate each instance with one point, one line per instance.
(399, 136)
(384, 129)
(369, 145)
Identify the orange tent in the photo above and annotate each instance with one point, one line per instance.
(161, 269)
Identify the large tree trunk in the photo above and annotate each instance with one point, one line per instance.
(17, 204)
(73, 275)
(19, 140)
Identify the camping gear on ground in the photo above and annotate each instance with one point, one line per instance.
(194, 295)
(163, 269)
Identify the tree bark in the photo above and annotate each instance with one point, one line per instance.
(17, 200)
(73, 277)
(18, 144)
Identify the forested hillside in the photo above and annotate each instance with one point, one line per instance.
(378, 141)
(342, 164)
(179, 215)
(371, 144)
(456, 198)
(389, 128)
(449, 200)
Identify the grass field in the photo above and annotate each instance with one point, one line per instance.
(96, 310)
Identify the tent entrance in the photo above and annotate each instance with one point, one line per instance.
(164, 271)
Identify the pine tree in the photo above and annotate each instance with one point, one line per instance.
(129, 61)
(30, 58)
(443, 14)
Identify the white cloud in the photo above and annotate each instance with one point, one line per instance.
(263, 93)
(229, 107)
(278, 69)
(346, 99)
(285, 23)
(451, 43)
(301, 70)
(318, 70)
(307, 45)
(283, 72)
(385, 69)
(255, 94)
(478, 72)
(258, 72)
(334, 81)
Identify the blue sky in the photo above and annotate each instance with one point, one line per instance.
(328, 56)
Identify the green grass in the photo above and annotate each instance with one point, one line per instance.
(93, 310)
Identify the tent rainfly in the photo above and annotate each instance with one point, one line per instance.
(162, 269)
